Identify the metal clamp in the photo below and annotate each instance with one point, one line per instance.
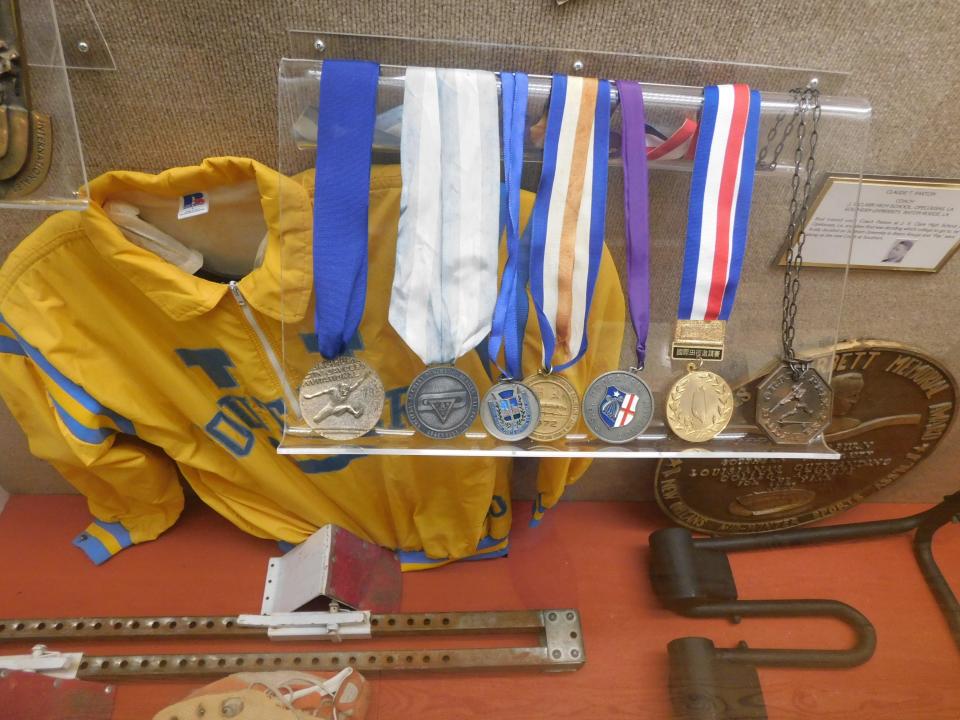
(45, 662)
(335, 625)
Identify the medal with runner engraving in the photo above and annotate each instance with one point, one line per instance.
(445, 280)
(342, 397)
(793, 403)
(568, 222)
(618, 405)
(510, 410)
(892, 405)
(700, 404)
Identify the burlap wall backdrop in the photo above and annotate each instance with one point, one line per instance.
(197, 79)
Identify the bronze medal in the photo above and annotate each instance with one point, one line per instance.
(891, 406)
(793, 408)
(18, 142)
(37, 163)
(559, 406)
(699, 405)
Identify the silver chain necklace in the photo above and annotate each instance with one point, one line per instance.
(794, 401)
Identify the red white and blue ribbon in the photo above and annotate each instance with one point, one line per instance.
(678, 146)
(720, 194)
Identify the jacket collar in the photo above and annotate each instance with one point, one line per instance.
(184, 296)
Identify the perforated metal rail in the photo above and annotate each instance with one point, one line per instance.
(559, 648)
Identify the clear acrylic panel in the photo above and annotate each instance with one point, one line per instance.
(672, 92)
(51, 99)
(84, 47)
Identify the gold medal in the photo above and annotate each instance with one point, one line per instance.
(559, 406)
(699, 405)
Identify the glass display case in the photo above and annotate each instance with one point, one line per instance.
(672, 94)
(42, 166)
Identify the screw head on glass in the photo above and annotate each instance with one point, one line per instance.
(319, 45)
(83, 46)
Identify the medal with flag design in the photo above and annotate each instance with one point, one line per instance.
(700, 404)
(619, 408)
(618, 405)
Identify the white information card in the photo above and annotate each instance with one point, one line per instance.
(902, 224)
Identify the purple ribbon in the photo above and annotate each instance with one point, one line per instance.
(636, 208)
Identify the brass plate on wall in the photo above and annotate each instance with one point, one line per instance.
(891, 406)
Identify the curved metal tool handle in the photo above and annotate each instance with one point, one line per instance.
(861, 651)
(946, 512)
(795, 537)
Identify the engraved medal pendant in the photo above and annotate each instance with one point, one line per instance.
(510, 410)
(559, 406)
(618, 406)
(699, 405)
(341, 399)
(442, 402)
(791, 409)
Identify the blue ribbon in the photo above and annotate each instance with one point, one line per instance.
(541, 209)
(345, 123)
(510, 314)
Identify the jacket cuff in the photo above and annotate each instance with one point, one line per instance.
(538, 511)
(102, 540)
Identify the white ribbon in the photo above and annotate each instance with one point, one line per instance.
(445, 281)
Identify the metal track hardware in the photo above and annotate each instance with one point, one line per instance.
(559, 648)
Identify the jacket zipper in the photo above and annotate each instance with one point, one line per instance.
(291, 399)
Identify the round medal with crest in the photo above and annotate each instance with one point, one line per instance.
(442, 402)
(618, 406)
(510, 411)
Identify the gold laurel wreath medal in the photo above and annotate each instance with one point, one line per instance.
(699, 405)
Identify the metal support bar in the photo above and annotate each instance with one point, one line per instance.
(934, 519)
(925, 523)
(861, 651)
(560, 646)
(659, 97)
(393, 78)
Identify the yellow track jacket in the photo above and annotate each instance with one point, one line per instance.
(122, 369)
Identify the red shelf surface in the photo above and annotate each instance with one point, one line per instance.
(587, 555)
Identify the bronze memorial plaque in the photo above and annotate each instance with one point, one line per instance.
(891, 406)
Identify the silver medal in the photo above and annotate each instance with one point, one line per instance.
(618, 406)
(793, 408)
(510, 411)
(442, 402)
(342, 398)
